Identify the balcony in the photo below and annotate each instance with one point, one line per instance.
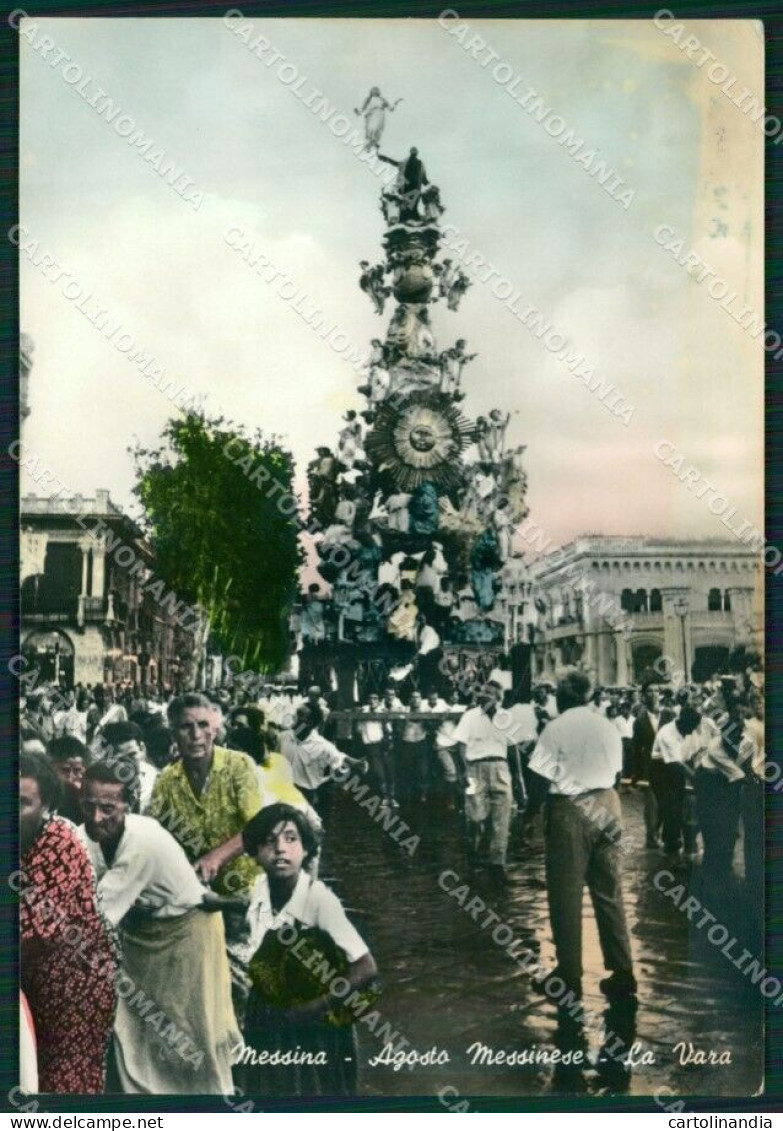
(646, 619)
(39, 608)
(565, 628)
(95, 609)
(704, 618)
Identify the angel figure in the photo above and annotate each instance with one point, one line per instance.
(481, 490)
(430, 198)
(350, 442)
(322, 479)
(380, 382)
(452, 362)
(496, 433)
(378, 377)
(374, 113)
(371, 282)
(482, 440)
(503, 522)
(397, 510)
(457, 289)
(401, 625)
(513, 469)
(391, 203)
(448, 273)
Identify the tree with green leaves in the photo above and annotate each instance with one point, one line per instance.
(222, 517)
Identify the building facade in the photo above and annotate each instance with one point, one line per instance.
(616, 606)
(88, 612)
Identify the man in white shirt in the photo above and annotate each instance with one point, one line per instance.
(428, 655)
(71, 721)
(752, 756)
(580, 753)
(173, 950)
(276, 708)
(646, 725)
(375, 748)
(523, 731)
(483, 740)
(435, 704)
(624, 724)
(414, 754)
(445, 742)
(668, 775)
(715, 748)
(127, 740)
(316, 700)
(544, 706)
(427, 638)
(598, 702)
(391, 701)
(313, 758)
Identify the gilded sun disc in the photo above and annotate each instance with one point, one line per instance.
(420, 441)
(424, 437)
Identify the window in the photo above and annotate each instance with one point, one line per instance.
(631, 602)
(714, 603)
(656, 604)
(727, 602)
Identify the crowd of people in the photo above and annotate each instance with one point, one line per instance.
(175, 935)
(167, 854)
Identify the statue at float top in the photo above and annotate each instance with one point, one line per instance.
(374, 113)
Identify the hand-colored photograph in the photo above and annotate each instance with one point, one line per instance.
(391, 655)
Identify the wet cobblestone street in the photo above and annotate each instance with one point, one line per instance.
(446, 983)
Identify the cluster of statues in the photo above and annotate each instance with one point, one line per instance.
(496, 479)
(409, 359)
(332, 478)
(414, 595)
(390, 547)
(413, 280)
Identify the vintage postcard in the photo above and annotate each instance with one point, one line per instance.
(392, 559)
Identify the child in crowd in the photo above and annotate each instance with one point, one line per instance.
(306, 958)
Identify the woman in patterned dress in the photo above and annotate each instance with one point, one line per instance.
(68, 953)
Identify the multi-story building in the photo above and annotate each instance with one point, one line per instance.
(615, 605)
(89, 612)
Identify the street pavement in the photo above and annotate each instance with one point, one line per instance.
(447, 984)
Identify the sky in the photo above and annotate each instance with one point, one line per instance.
(268, 167)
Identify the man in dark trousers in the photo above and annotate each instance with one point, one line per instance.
(581, 755)
(646, 725)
